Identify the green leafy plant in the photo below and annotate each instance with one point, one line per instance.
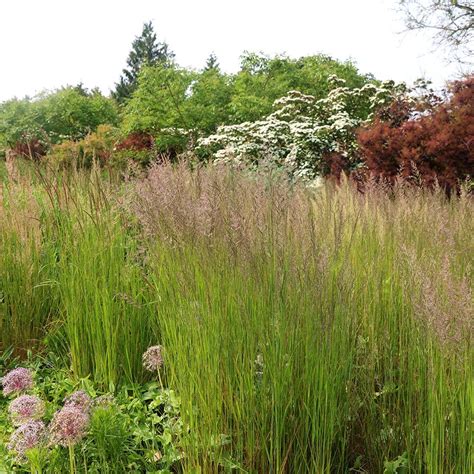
(69, 113)
(397, 466)
(136, 429)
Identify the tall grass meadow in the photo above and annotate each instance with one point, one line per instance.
(303, 329)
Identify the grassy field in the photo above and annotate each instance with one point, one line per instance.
(304, 330)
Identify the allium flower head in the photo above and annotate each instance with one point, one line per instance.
(104, 401)
(68, 426)
(153, 358)
(29, 435)
(26, 408)
(17, 380)
(79, 400)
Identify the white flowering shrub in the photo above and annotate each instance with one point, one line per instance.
(302, 130)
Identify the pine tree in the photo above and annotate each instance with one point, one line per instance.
(146, 50)
(211, 62)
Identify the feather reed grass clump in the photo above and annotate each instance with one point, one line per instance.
(305, 330)
(358, 357)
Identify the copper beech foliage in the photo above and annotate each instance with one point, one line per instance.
(430, 143)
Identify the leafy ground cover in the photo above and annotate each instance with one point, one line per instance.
(127, 431)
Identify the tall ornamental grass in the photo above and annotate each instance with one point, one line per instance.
(304, 330)
(313, 331)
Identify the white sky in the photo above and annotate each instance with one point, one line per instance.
(45, 44)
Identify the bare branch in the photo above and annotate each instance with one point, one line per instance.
(452, 23)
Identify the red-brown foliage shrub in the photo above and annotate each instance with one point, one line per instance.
(434, 146)
(334, 164)
(137, 141)
(33, 148)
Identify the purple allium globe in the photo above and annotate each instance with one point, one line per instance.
(31, 434)
(26, 408)
(79, 400)
(153, 358)
(17, 380)
(104, 401)
(68, 426)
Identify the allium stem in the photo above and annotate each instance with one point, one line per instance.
(72, 459)
(159, 379)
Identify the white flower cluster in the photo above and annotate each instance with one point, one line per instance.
(302, 129)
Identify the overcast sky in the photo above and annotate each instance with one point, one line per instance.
(45, 44)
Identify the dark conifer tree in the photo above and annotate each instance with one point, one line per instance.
(211, 62)
(146, 50)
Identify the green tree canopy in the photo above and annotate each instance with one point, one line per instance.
(68, 113)
(211, 62)
(196, 103)
(263, 79)
(208, 100)
(158, 102)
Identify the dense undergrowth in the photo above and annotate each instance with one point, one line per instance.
(304, 330)
(128, 431)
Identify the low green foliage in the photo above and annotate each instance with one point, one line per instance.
(137, 429)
